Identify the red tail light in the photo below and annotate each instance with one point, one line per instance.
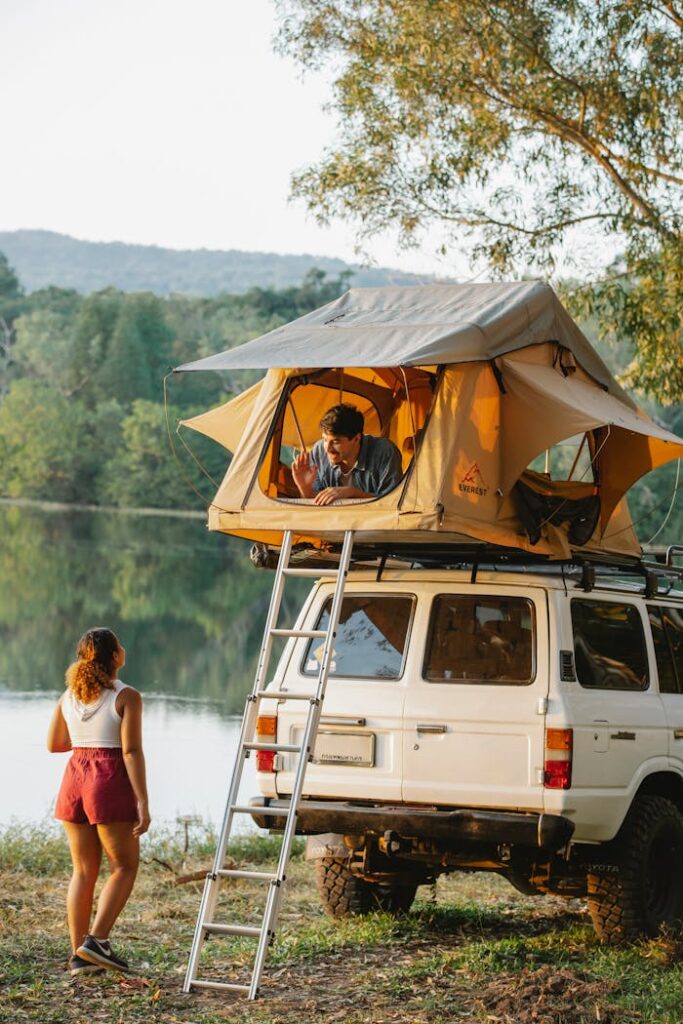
(266, 732)
(557, 768)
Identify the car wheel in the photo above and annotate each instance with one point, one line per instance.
(344, 894)
(643, 889)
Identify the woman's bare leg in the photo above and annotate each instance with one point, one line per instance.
(123, 853)
(86, 855)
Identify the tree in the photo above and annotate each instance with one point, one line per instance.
(92, 333)
(44, 349)
(125, 373)
(144, 473)
(284, 304)
(41, 435)
(11, 304)
(512, 123)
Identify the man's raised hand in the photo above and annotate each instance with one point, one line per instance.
(304, 472)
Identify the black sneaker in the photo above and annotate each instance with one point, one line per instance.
(98, 951)
(77, 965)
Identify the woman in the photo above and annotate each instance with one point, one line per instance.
(103, 797)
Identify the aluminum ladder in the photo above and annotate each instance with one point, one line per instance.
(206, 925)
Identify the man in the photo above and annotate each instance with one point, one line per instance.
(346, 463)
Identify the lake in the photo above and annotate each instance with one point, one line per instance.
(189, 608)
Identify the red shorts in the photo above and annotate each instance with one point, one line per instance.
(96, 789)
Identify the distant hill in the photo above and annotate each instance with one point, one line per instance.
(42, 258)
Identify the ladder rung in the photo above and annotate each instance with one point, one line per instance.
(313, 634)
(232, 929)
(317, 573)
(264, 876)
(284, 748)
(224, 985)
(279, 812)
(284, 695)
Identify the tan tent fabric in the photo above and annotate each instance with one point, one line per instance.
(467, 432)
(562, 406)
(226, 423)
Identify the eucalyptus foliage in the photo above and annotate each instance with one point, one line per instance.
(512, 123)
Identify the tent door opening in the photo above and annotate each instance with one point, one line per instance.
(395, 403)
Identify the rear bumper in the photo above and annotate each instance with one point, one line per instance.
(460, 825)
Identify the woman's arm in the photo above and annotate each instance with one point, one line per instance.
(129, 705)
(58, 739)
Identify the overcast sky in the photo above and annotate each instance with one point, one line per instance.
(167, 122)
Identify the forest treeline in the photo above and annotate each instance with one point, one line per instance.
(82, 411)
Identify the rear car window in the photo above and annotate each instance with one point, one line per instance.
(673, 625)
(480, 640)
(663, 657)
(667, 633)
(371, 637)
(609, 645)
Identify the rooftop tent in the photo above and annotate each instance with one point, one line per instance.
(473, 383)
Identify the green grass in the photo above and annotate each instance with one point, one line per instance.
(471, 950)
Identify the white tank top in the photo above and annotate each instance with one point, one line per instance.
(97, 724)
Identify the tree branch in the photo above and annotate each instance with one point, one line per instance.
(532, 48)
(628, 162)
(483, 220)
(672, 13)
(593, 148)
(571, 133)
(574, 133)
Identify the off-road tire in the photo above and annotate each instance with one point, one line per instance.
(642, 889)
(344, 894)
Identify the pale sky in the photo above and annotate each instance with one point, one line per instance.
(164, 122)
(174, 123)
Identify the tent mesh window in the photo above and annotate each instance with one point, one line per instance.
(395, 404)
(561, 487)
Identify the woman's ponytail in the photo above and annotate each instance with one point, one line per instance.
(93, 670)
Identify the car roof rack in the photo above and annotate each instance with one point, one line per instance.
(655, 574)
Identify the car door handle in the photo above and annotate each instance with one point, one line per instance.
(341, 720)
(678, 734)
(430, 727)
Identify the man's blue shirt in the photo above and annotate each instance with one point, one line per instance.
(377, 471)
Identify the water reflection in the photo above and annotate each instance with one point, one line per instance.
(187, 604)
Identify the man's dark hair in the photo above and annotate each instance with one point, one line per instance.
(342, 421)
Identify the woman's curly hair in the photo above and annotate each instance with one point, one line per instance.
(93, 671)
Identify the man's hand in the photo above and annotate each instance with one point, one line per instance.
(332, 494)
(304, 472)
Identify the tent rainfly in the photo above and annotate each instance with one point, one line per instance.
(473, 383)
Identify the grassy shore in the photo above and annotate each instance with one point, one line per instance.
(471, 950)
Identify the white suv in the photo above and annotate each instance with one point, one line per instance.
(522, 721)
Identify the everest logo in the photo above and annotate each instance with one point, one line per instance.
(473, 482)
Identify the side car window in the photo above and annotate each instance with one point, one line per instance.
(609, 645)
(480, 640)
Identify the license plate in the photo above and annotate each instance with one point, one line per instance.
(345, 748)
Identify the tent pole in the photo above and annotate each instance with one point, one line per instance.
(296, 423)
(577, 456)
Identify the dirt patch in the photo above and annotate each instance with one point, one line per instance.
(550, 995)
